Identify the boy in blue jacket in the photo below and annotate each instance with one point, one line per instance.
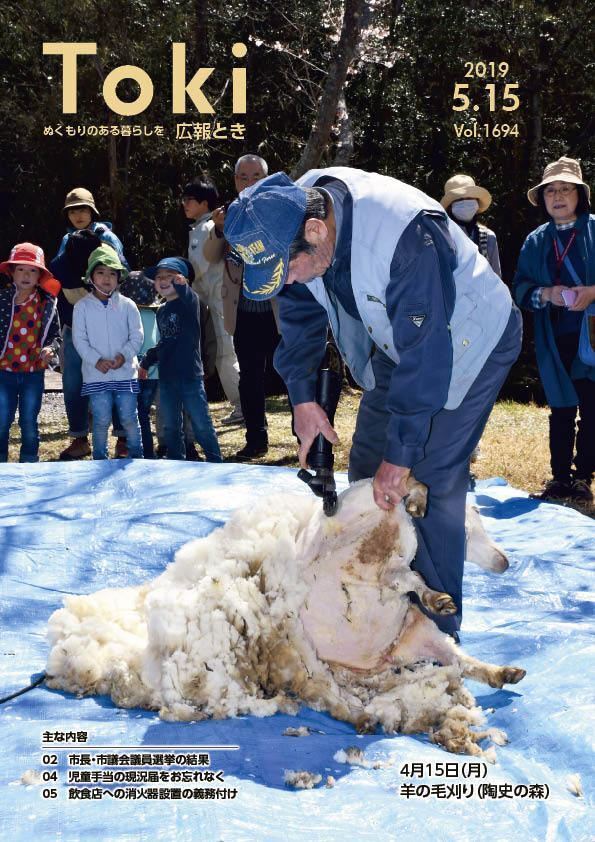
(177, 355)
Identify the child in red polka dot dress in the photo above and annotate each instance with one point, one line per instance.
(29, 337)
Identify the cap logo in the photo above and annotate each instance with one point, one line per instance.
(418, 320)
(270, 287)
(249, 252)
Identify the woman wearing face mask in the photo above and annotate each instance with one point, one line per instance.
(463, 200)
(555, 279)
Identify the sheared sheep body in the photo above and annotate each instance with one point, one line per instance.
(278, 607)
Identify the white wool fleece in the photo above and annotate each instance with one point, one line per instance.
(221, 633)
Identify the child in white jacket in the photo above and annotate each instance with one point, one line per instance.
(107, 333)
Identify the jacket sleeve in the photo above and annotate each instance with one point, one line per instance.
(150, 358)
(419, 300)
(303, 323)
(80, 336)
(189, 298)
(214, 247)
(108, 236)
(53, 338)
(494, 254)
(61, 267)
(135, 332)
(196, 255)
(525, 281)
(61, 247)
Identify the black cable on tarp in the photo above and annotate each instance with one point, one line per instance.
(32, 686)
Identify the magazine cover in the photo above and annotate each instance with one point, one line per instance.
(344, 595)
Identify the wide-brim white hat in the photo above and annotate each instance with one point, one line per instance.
(463, 187)
(564, 169)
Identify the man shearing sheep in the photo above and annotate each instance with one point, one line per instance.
(426, 327)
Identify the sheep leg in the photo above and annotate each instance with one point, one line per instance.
(436, 602)
(417, 497)
(421, 639)
(492, 674)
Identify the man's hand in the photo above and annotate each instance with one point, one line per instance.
(309, 419)
(218, 217)
(584, 297)
(143, 374)
(103, 365)
(554, 295)
(390, 485)
(118, 361)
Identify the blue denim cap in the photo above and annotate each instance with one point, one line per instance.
(175, 264)
(260, 226)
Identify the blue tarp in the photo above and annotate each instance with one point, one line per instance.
(77, 528)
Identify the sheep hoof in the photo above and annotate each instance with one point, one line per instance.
(417, 498)
(444, 604)
(506, 675)
(440, 603)
(512, 675)
(364, 724)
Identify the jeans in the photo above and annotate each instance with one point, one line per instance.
(146, 398)
(77, 407)
(190, 395)
(24, 390)
(102, 405)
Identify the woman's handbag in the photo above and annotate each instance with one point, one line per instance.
(586, 342)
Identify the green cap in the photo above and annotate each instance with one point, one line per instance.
(105, 255)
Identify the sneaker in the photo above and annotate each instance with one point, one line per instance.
(161, 451)
(554, 489)
(249, 452)
(121, 448)
(192, 454)
(580, 490)
(236, 416)
(77, 449)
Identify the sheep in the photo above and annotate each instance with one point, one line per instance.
(278, 607)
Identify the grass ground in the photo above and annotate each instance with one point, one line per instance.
(514, 444)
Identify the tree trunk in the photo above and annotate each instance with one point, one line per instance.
(201, 35)
(345, 139)
(333, 87)
(114, 186)
(112, 156)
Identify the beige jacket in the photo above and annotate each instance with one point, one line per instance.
(215, 249)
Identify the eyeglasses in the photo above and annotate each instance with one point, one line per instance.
(550, 192)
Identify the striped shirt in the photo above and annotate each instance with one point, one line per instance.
(111, 386)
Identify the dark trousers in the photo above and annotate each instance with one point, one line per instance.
(564, 431)
(146, 398)
(255, 340)
(445, 467)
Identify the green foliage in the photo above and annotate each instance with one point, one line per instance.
(399, 97)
